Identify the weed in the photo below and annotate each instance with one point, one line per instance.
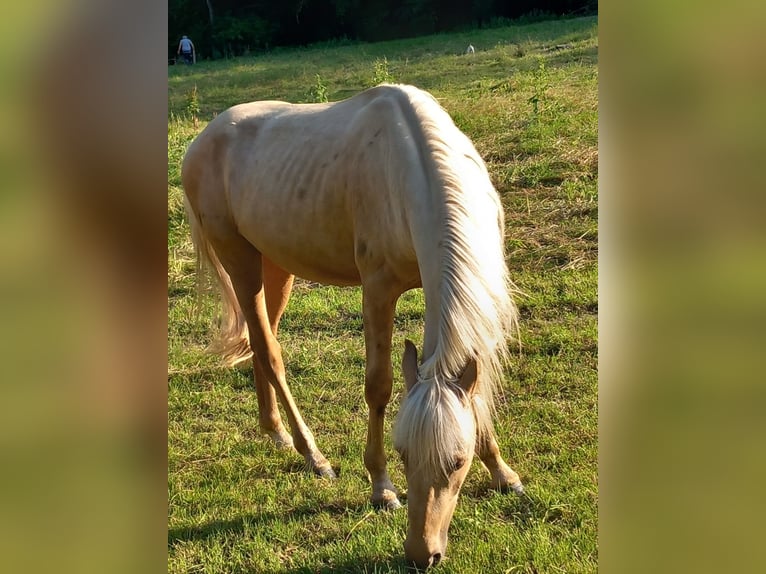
(192, 105)
(318, 92)
(381, 73)
(540, 84)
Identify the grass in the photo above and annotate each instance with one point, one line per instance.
(528, 99)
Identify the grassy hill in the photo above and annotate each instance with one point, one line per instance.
(528, 100)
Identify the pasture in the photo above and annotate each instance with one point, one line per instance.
(527, 98)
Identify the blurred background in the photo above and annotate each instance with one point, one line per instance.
(228, 28)
(82, 286)
(83, 104)
(682, 284)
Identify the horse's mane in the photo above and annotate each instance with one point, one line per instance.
(477, 315)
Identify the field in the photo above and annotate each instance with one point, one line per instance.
(528, 100)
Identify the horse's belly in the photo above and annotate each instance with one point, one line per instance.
(311, 257)
(318, 270)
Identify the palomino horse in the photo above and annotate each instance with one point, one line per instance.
(380, 190)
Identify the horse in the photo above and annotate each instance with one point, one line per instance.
(380, 190)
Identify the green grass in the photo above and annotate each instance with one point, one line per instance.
(528, 99)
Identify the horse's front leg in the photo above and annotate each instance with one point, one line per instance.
(503, 476)
(379, 304)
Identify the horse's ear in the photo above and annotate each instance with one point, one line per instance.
(469, 377)
(410, 364)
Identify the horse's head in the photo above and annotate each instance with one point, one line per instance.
(435, 434)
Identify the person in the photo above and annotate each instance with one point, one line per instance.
(186, 50)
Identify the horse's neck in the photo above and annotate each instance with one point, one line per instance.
(431, 258)
(427, 228)
(434, 214)
(439, 345)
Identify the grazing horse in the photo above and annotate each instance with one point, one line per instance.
(381, 190)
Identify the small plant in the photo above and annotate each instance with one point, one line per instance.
(318, 92)
(540, 85)
(192, 106)
(381, 75)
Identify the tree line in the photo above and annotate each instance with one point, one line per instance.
(225, 28)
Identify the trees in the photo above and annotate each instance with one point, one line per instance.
(222, 28)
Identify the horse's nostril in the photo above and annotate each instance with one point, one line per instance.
(436, 558)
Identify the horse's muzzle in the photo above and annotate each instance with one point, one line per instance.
(432, 561)
(423, 558)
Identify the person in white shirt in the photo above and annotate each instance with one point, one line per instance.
(186, 50)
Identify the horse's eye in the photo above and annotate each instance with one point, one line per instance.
(458, 463)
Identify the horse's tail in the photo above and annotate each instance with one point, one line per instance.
(232, 341)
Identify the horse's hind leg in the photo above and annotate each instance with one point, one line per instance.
(503, 476)
(244, 265)
(277, 284)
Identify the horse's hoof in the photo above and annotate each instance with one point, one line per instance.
(385, 495)
(325, 472)
(518, 488)
(388, 501)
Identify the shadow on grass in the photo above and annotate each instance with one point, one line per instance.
(360, 565)
(524, 511)
(240, 524)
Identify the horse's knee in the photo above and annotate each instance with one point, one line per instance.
(377, 398)
(377, 387)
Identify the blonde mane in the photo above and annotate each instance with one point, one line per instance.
(476, 313)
